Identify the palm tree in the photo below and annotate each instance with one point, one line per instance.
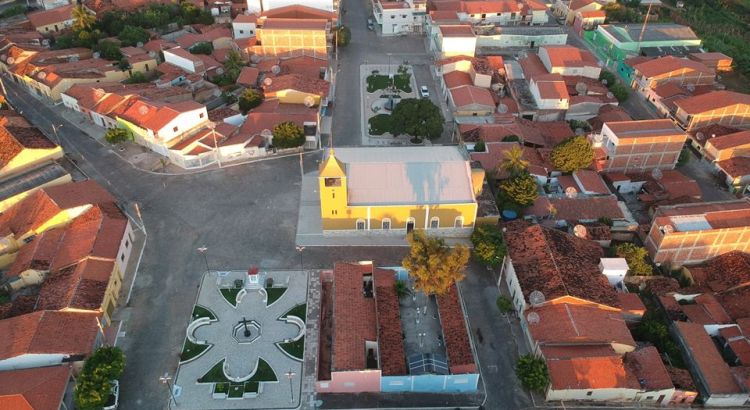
(82, 20)
(514, 162)
(233, 65)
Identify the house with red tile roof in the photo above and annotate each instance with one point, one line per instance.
(367, 348)
(297, 89)
(183, 59)
(48, 338)
(567, 9)
(692, 233)
(718, 107)
(52, 21)
(718, 384)
(248, 77)
(159, 125)
(736, 172)
(669, 69)
(244, 26)
(51, 388)
(717, 61)
(471, 101)
(548, 91)
(23, 149)
(637, 146)
(568, 60)
(723, 147)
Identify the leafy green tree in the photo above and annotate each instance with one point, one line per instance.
(489, 248)
(93, 386)
(131, 35)
(636, 258)
(232, 66)
(511, 138)
(116, 135)
(607, 75)
(202, 48)
(108, 50)
(582, 124)
(620, 92)
(137, 78)
(479, 146)
(684, 157)
(513, 161)
(532, 372)
(82, 19)
(343, 36)
(402, 289)
(417, 117)
(521, 189)
(573, 154)
(87, 39)
(288, 135)
(250, 99)
(434, 266)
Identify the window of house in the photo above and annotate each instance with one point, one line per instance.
(497, 14)
(459, 222)
(393, 17)
(200, 115)
(242, 31)
(386, 224)
(122, 257)
(126, 244)
(434, 222)
(361, 224)
(333, 195)
(334, 212)
(484, 15)
(332, 182)
(403, 16)
(589, 393)
(174, 129)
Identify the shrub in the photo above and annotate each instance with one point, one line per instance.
(288, 135)
(636, 258)
(202, 48)
(250, 99)
(620, 92)
(479, 146)
(99, 370)
(532, 372)
(137, 78)
(511, 138)
(573, 154)
(116, 135)
(504, 304)
(489, 248)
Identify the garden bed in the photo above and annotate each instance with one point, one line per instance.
(273, 294)
(401, 81)
(191, 350)
(295, 349)
(230, 295)
(200, 311)
(379, 124)
(299, 311)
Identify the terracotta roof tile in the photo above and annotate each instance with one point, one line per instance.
(14, 139)
(458, 30)
(571, 321)
(38, 254)
(644, 129)
(456, 79)
(569, 56)
(294, 24)
(47, 17)
(669, 64)
(712, 101)
(472, 95)
(488, 6)
(248, 76)
(390, 335)
(576, 208)
(47, 332)
(306, 66)
(730, 140)
(645, 363)
(735, 167)
(354, 320)
(557, 264)
(41, 388)
(590, 182)
(298, 11)
(298, 82)
(604, 371)
(457, 342)
(80, 286)
(706, 358)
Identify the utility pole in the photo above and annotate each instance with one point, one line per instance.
(300, 249)
(643, 29)
(216, 146)
(289, 375)
(165, 380)
(202, 250)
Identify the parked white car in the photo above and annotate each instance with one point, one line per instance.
(114, 396)
(424, 92)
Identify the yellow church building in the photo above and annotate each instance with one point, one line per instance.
(399, 189)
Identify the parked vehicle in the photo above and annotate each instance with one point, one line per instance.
(424, 92)
(370, 25)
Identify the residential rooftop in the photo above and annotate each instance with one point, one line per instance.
(41, 388)
(49, 332)
(705, 216)
(669, 64)
(644, 129)
(630, 33)
(712, 101)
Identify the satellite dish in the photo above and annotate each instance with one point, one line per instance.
(220, 71)
(42, 75)
(690, 87)
(571, 192)
(700, 136)
(580, 231)
(266, 133)
(276, 69)
(11, 60)
(605, 81)
(582, 88)
(657, 174)
(45, 42)
(598, 137)
(143, 110)
(667, 229)
(502, 108)
(610, 95)
(536, 298)
(267, 81)
(139, 44)
(98, 93)
(254, 58)
(532, 318)
(96, 54)
(309, 101)
(152, 54)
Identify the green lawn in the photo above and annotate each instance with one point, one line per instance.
(231, 295)
(274, 294)
(403, 82)
(379, 124)
(236, 390)
(191, 350)
(295, 349)
(215, 374)
(377, 82)
(264, 373)
(300, 311)
(200, 311)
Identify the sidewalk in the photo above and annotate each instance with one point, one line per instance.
(122, 313)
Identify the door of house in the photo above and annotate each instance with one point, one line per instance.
(409, 227)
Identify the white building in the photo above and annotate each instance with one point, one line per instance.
(454, 40)
(182, 58)
(244, 26)
(522, 36)
(399, 17)
(569, 60)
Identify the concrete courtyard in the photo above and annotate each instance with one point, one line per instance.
(226, 339)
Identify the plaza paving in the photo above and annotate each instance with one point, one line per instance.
(241, 355)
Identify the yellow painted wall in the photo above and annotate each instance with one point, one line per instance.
(111, 294)
(293, 96)
(4, 205)
(477, 180)
(346, 218)
(28, 158)
(7, 259)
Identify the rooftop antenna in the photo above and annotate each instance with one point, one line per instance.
(536, 298)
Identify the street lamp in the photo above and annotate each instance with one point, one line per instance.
(212, 127)
(300, 249)
(165, 380)
(202, 250)
(54, 129)
(289, 375)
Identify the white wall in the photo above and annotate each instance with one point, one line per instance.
(452, 46)
(70, 102)
(184, 122)
(326, 5)
(519, 40)
(398, 21)
(726, 400)
(254, 6)
(546, 104)
(513, 286)
(29, 361)
(181, 62)
(126, 246)
(503, 18)
(243, 30)
(596, 394)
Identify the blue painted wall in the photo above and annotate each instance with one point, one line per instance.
(430, 383)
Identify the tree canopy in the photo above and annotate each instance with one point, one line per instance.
(434, 266)
(489, 248)
(116, 135)
(343, 36)
(417, 117)
(573, 154)
(532, 372)
(108, 50)
(636, 258)
(513, 161)
(82, 19)
(132, 35)
(93, 385)
(288, 135)
(521, 190)
(250, 99)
